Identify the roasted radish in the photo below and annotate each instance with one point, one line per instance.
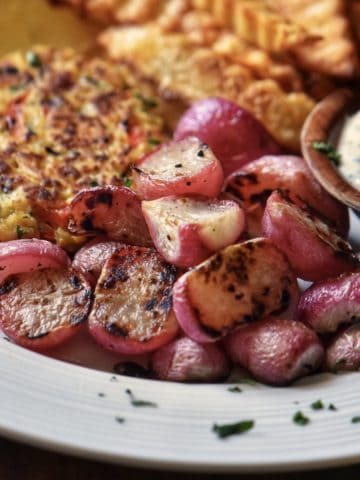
(186, 230)
(17, 256)
(110, 210)
(42, 309)
(90, 259)
(233, 134)
(240, 284)
(276, 351)
(184, 360)
(328, 304)
(314, 249)
(343, 353)
(253, 184)
(178, 168)
(132, 311)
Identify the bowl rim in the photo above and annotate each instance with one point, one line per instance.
(317, 127)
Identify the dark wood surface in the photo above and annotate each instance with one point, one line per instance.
(21, 462)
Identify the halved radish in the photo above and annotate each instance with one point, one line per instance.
(44, 308)
(186, 230)
(240, 284)
(90, 259)
(276, 351)
(178, 168)
(343, 353)
(184, 360)
(17, 256)
(132, 311)
(314, 250)
(327, 305)
(253, 184)
(110, 210)
(235, 136)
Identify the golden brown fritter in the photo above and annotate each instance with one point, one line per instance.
(66, 123)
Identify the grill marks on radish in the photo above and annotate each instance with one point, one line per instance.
(132, 311)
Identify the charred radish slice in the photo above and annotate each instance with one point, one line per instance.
(186, 230)
(132, 311)
(179, 168)
(253, 184)
(233, 134)
(343, 353)
(90, 259)
(19, 256)
(328, 304)
(110, 210)
(276, 351)
(42, 309)
(240, 284)
(184, 360)
(314, 250)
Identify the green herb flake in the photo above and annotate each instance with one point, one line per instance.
(300, 419)
(247, 381)
(235, 389)
(332, 407)
(139, 403)
(228, 429)
(33, 59)
(127, 182)
(148, 103)
(93, 183)
(355, 419)
(19, 232)
(120, 419)
(153, 141)
(328, 150)
(91, 80)
(17, 87)
(318, 405)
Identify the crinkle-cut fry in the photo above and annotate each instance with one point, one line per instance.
(334, 54)
(179, 68)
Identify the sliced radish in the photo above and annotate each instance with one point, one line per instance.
(179, 168)
(314, 250)
(240, 284)
(328, 304)
(110, 210)
(233, 134)
(253, 184)
(17, 256)
(184, 360)
(132, 311)
(276, 351)
(343, 353)
(186, 230)
(42, 309)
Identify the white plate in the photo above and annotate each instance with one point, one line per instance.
(57, 405)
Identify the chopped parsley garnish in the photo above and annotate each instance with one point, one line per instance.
(355, 420)
(318, 405)
(94, 183)
(235, 389)
(153, 141)
(120, 419)
(19, 232)
(139, 403)
(91, 80)
(228, 429)
(300, 419)
(33, 59)
(127, 182)
(332, 407)
(148, 102)
(247, 381)
(17, 87)
(328, 150)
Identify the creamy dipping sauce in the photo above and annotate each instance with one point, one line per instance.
(349, 149)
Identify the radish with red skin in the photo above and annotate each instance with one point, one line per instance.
(276, 351)
(343, 353)
(187, 230)
(314, 250)
(253, 184)
(235, 136)
(326, 305)
(184, 360)
(42, 309)
(240, 284)
(90, 259)
(132, 310)
(178, 168)
(18, 256)
(112, 211)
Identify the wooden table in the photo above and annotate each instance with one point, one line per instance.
(20, 462)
